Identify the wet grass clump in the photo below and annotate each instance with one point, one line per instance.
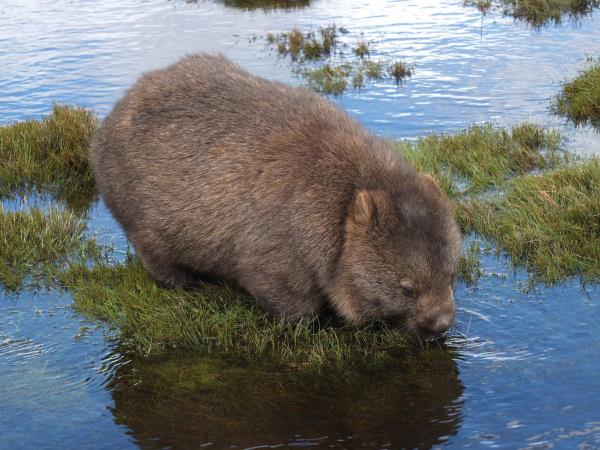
(538, 12)
(266, 5)
(49, 155)
(306, 45)
(374, 69)
(361, 49)
(399, 70)
(329, 79)
(541, 12)
(335, 78)
(481, 5)
(548, 222)
(484, 156)
(579, 99)
(217, 319)
(319, 58)
(517, 188)
(34, 244)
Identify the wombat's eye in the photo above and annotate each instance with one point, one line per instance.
(409, 291)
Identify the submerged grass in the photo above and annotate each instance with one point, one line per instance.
(361, 49)
(219, 320)
(548, 222)
(35, 243)
(399, 70)
(538, 12)
(50, 155)
(317, 56)
(579, 99)
(469, 265)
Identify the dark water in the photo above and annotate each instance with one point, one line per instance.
(521, 370)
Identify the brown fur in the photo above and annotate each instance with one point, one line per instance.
(213, 171)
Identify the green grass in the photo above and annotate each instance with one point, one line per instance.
(516, 187)
(579, 99)
(550, 222)
(35, 243)
(49, 155)
(374, 69)
(484, 156)
(216, 319)
(538, 12)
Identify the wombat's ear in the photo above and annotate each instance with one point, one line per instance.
(362, 208)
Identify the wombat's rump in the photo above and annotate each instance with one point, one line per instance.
(212, 171)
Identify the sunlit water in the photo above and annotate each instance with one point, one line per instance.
(525, 366)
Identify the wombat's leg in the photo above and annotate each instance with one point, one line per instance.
(157, 260)
(290, 302)
(166, 273)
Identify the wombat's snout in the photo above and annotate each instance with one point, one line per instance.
(436, 321)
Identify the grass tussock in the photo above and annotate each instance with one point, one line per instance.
(482, 5)
(485, 156)
(306, 45)
(328, 79)
(538, 12)
(35, 243)
(318, 57)
(579, 99)
(49, 155)
(399, 70)
(361, 49)
(549, 222)
(217, 320)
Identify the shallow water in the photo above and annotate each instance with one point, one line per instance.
(520, 370)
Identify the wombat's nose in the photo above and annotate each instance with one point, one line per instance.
(437, 323)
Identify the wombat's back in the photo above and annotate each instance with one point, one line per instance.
(202, 162)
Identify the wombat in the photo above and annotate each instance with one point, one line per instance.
(214, 172)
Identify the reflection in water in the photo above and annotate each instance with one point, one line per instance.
(185, 401)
